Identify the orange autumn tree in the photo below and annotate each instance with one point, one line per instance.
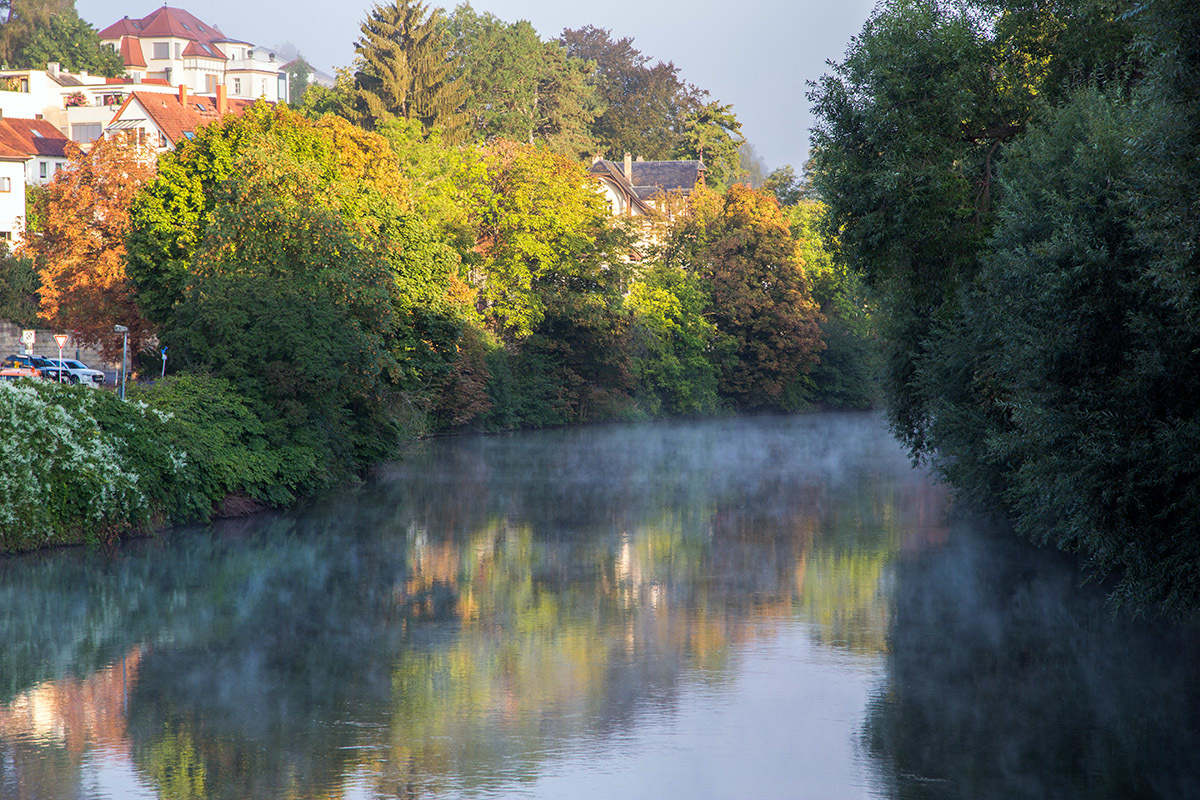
(79, 245)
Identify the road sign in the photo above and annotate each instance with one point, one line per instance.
(28, 337)
(61, 338)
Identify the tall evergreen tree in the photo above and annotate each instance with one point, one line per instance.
(403, 69)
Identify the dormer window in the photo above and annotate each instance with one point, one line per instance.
(185, 26)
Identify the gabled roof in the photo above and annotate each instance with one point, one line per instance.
(131, 52)
(164, 21)
(649, 179)
(32, 137)
(203, 50)
(175, 119)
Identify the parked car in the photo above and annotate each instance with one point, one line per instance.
(19, 366)
(41, 367)
(78, 372)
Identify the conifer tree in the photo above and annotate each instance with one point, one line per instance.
(403, 70)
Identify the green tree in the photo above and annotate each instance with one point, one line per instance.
(644, 107)
(403, 70)
(713, 134)
(540, 228)
(521, 88)
(70, 41)
(673, 343)
(349, 170)
(284, 304)
(912, 128)
(299, 80)
(19, 286)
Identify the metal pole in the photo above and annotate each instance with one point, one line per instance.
(124, 349)
(124, 355)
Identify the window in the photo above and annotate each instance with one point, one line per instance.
(43, 169)
(5, 184)
(178, 49)
(210, 84)
(162, 49)
(88, 132)
(6, 235)
(264, 86)
(162, 139)
(185, 26)
(237, 86)
(57, 167)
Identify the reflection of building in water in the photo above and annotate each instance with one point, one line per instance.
(52, 733)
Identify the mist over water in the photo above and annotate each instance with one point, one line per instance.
(752, 607)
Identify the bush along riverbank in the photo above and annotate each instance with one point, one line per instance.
(81, 466)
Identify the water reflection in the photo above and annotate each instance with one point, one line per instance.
(699, 609)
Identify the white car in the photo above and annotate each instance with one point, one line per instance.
(79, 372)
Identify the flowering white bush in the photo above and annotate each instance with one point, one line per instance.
(59, 472)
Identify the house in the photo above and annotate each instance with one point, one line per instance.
(79, 105)
(163, 120)
(31, 151)
(173, 46)
(43, 146)
(646, 188)
(12, 194)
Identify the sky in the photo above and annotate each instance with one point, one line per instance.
(754, 54)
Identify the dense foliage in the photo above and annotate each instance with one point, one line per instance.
(420, 249)
(1025, 203)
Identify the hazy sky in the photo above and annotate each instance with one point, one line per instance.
(755, 54)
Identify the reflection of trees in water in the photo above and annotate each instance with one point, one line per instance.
(477, 608)
(1008, 680)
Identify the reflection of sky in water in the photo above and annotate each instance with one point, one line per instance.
(786, 726)
(770, 607)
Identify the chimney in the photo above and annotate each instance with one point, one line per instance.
(629, 167)
(639, 158)
(222, 101)
(53, 67)
(183, 94)
(596, 159)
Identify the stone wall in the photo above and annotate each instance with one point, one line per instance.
(10, 342)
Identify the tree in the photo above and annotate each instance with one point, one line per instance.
(70, 41)
(912, 127)
(79, 247)
(521, 88)
(712, 133)
(674, 345)
(403, 71)
(18, 290)
(761, 300)
(284, 303)
(644, 106)
(540, 228)
(349, 170)
(299, 78)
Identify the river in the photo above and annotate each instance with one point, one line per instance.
(768, 607)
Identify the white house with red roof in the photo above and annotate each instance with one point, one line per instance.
(31, 151)
(163, 120)
(173, 46)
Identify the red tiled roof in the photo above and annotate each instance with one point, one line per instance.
(131, 52)
(164, 21)
(32, 137)
(176, 119)
(203, 50)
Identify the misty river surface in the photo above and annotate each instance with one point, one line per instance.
(771, 607)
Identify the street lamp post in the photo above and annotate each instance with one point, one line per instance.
(124, 331)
